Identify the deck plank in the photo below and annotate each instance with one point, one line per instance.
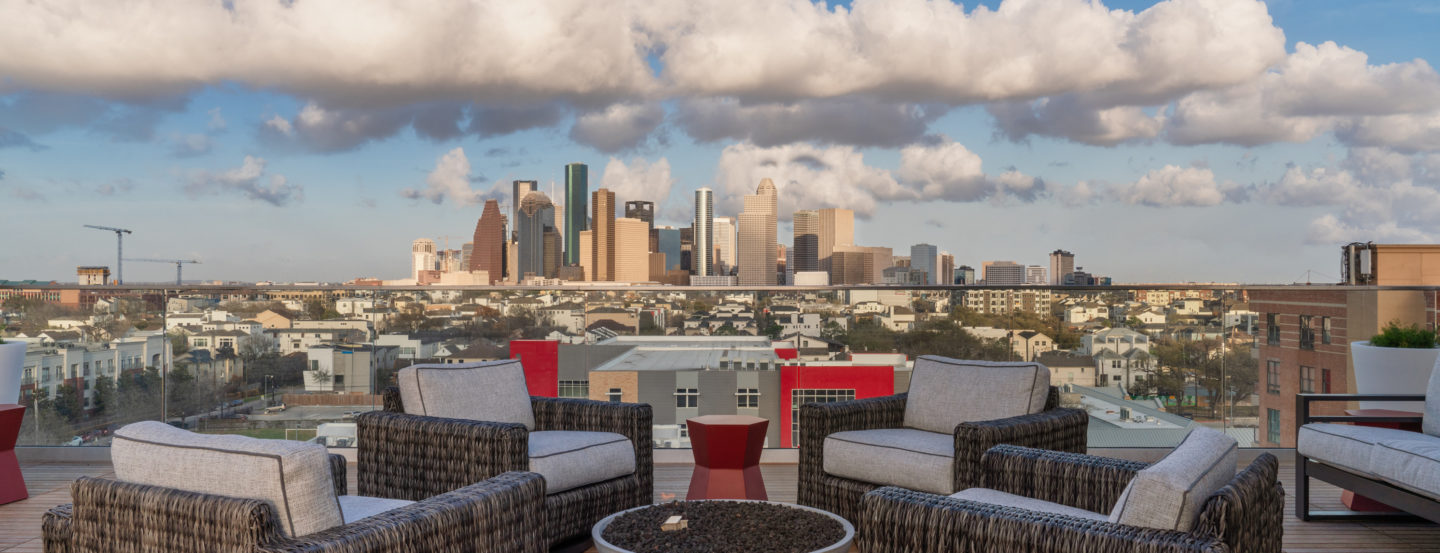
(49, 483)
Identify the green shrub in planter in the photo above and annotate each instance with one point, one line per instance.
(1396, 336)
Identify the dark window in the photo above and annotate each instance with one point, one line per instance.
(574, 388)
(801, 396)
(1272, 330)
(615, 395)
(747, 397)
(1324, 381)
(1272, 376)
(687, 397)
(1274, 426)
(339, 380)
(1307, 333)
(1324, 330)
(1307, 380)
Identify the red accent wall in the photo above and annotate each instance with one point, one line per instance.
(787, 354)
(867, 381)
(541, 360)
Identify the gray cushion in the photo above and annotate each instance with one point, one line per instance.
(946, 392)
(292, 476)
(904, 457)
(996, 497)
(1413, 463)
(493, 391)
(356, 507)
(570, 459)
(1343, 445)
(1431, 425)
(1169, 494)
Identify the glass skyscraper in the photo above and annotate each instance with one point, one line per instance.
(577, 209)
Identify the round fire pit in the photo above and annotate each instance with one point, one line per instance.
(724, 525)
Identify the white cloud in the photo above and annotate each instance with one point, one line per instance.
(949, 171)
(1067, 117)
(449, 180)
(853, 121)
(1173, 186)
(249, 180)
(638, 180)
(190, 145)
(619, 127)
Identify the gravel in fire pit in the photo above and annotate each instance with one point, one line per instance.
(724, 526)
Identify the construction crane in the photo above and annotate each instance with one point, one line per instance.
(119, 249)
(178, 264)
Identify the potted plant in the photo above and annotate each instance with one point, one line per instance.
(1398, 360)
(12, 364)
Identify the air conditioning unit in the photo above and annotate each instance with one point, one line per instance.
(1124, 413)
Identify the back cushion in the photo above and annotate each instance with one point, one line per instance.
(1169, 494)
(946, 392)
(292, 476)
(494, 391)
(1431, 425)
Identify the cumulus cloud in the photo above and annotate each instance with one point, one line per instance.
(638, 180)
(617, 128)
(1375, 194)
(1067, 117)
(450, 180)
(320, 129)
(1174, 186)
(853, 121)
(248, 180)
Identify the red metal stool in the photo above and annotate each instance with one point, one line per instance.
(12, 483)
(727, 457)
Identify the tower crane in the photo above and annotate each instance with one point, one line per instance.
(119, 249)
(178, 264)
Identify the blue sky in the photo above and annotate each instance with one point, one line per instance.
(1233, 147)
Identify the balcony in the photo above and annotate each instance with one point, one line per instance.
(1146, 362)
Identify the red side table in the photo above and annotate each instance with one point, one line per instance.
(1357, 502)
(12, 483)
(727, 457)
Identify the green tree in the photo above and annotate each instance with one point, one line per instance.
(179, 343)
(67, 403)
(102, 397)
(726, 329)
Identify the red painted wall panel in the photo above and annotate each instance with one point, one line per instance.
(541, 360)
(867, 381)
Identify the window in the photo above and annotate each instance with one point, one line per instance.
(339, 380)
(1272, 376)
(615, 395)
(1274, 425)
(1307, 380)
(684, 430)
(1272, 330)
(687, 397)
(1324, 330)
(201, 342)
(801, 396)
(1307, 333)
(1324, 381)
(1115, 364)
(747, 397)
(314, 365)
(575, 388)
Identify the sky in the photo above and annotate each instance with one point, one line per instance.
(314, 140)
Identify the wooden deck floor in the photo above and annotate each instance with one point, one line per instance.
(49, 485)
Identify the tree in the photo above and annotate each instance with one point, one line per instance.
(67, 402)
(648, 326)
(255, 346)
(179, 343)
(726, 329)
(833, 331)
(102, 397)
(315, 309)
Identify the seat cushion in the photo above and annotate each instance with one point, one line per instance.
(292, 476)
(494, 391)
(1168, 495)
(904, 457)
(356, 507)
(996, 497)
(1343, 445)
(946, 392)
(1412, 463)
(570, 459)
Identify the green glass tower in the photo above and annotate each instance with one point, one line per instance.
(577, 209)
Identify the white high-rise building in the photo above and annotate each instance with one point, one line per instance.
(724, 228)
(702, 256)
(422, 257)
(758, 248)
(1035, 274)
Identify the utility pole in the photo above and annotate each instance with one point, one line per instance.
(119, 249)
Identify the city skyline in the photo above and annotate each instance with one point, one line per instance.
(1292, 129)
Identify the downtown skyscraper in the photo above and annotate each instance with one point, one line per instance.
(757, 245)
(577, 198)
(924, 257)
(602, 262)
(1061, 263)
(805, 250)
(702, 260)
(488, 252)
(534, 228)
(724, 230)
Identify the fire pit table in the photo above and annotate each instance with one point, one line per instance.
(724, 525)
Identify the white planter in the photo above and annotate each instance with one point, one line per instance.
(1392, 371)
(12, 363)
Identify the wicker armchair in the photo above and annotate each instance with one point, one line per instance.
(496, 515)
(1244, 516)
(413, 457)
(1053, 428)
